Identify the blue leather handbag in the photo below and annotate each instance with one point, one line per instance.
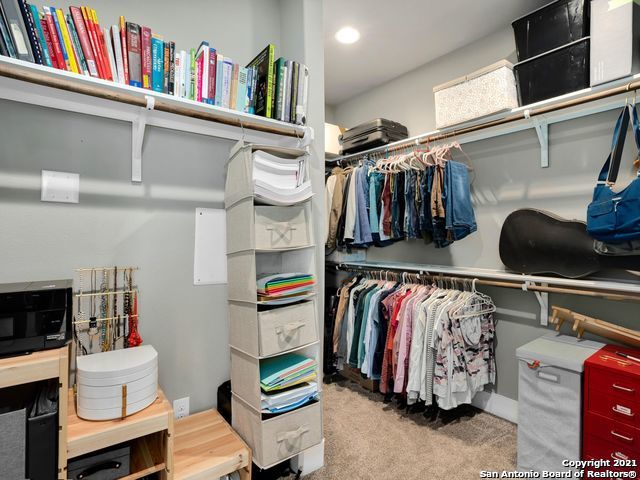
(614, 217)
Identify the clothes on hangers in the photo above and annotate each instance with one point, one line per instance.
(401, 197)
(421, 341)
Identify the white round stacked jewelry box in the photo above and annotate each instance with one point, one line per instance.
(100, 379)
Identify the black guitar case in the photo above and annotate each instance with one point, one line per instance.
(537, 242)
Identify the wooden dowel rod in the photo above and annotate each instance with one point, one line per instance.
(69, 85)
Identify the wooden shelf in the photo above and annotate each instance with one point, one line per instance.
(30, 368)
(206, 447)
(146, 457)
(85, 436)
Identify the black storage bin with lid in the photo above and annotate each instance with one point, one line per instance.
(549, 27)
(560, 71)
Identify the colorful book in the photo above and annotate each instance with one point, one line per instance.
(263, 63)
(219, 74)
(124, 53)
(294, 91)
(32, 34)
(171, 88)
(110, 75)
(213, 64)
(157, 63)
(108, 45)
(202, 72)
(233, 97)
(254, 90)
(75, 44)
(227, 76)
(44, 49)
(287, 97)
(303, 94)
(247, 103)
(117, 52)
(65, 43)
(85, 42)
(134, 54)
(6, 34)
(280, 75)
(47, 39)
(55, 39)
(145, 46)
(166, 67)
(192, 74)
(241, 99)
(93, 41)
(186, 74)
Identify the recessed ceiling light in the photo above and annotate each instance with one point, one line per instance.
(347, 35)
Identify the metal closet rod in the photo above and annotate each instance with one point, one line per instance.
(99, 269)
(524, 285)
(106, 293)
(524, 114)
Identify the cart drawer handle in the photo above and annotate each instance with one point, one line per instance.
(286, 436)
(108, 465)
(287, 227)
(616, 409)
(624, 389)
(622, 437)
(289, 328)
(619, 456)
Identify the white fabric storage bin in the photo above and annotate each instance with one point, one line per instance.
(239, 181)
(100, 379)
(280, 437)
(243, 269)
(615, 40)
(550, 401)
(268, 228)
(270, 332)
(483, 92)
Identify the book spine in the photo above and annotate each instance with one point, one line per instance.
(303, 87)
(192, 72)
(102, 45)
(47, 39)
(226, 82)
(157, 64)
(242, 89)
(294, 91)
(124, 52)
(17, 30)
(85, 42)
(134, 54)
(93, 41)
(199, 72)
(117, 51)
(211, 81)
(75, 44)
(166, 67)
(55, 40)
(254, 92)
(66, 38)
(172, 69)
(6, 34)
(285, 94)
(56, 14)
(184, 73)
(108, 45)
(279, 74)
(32, 35)
(287, 97)
(233, 97)
(146, 57)
(219, 76)
(270, 82)
(177, 62)
(42, 41)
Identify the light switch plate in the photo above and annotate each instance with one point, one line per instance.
(60, 187)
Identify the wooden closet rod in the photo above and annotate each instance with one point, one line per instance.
(504, 284)
(84, 88)
(527, 113)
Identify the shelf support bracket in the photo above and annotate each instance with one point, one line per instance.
(542, 130)
(543, 300)
(138, 127)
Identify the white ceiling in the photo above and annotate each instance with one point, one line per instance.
(399, 36)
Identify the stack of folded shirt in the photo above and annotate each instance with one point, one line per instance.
(286, 287)
(280, 181)
(284, 371)
(289, 399)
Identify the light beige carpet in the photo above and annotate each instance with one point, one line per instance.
(368, 439)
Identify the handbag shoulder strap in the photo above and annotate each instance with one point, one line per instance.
(617, 145)
(611, 168)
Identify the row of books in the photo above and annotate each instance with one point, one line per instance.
(131, 54)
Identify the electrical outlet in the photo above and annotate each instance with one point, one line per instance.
(181, 407)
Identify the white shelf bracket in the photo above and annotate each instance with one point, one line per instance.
(543, 300)
(138, 127)
(542, 130)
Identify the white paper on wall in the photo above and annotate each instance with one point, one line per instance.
(210, 252)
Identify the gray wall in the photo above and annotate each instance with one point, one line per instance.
(507, 177)
(149, 225)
